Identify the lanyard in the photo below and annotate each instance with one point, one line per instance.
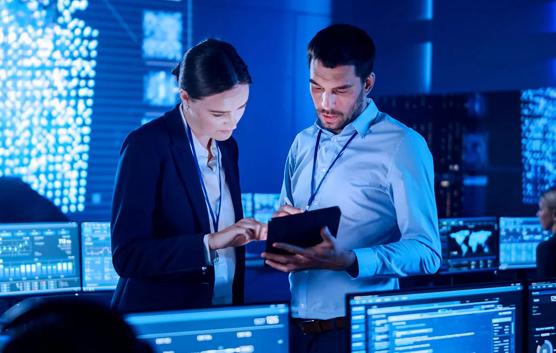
(314, 191)
(215, 216)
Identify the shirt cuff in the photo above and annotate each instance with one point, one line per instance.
(210, 255)
(367, 260)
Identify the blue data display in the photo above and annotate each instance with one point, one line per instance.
(96, 252)
(475, 320)
(247, 204)
(254, 328)
(541, 316)
(39, 258)
(468, 244)
(519, 237)
(538, 142)
(265, 205)
(75, 78)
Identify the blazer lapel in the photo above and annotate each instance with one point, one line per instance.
(185, 164)
(232, 178)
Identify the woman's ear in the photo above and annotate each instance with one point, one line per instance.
(184, 96)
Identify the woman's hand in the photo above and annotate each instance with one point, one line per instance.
(238, 234)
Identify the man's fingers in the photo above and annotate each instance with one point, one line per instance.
(283, 259)
(277, 266)
(286, 210)
(289, 248)
(290, 209)
(326, 235)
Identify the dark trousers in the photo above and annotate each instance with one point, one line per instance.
(327, 342)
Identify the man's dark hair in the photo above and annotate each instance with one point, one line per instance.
(211, 67)
(343, 44)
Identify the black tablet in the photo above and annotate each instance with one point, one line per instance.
(302, 229)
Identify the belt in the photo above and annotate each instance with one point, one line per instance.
(308, 326)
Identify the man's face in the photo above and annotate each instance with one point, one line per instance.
(338, 94)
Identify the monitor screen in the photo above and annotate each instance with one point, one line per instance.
(264, 206)
(482, 319)
(519, 237)
(247, 204)
(542, 317)
(96, 252)
(253, 328)
(468, 244)
(39, 258)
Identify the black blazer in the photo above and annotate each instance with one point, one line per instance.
(546, 258)
(159, 217)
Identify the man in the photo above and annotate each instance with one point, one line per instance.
(377, 170)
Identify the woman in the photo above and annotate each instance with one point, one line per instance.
(177, 227)
(546, 250)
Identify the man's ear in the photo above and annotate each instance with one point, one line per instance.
(369, 83)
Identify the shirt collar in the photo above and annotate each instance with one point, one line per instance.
(361, 124)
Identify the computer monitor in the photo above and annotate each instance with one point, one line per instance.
(468, 244)
(96, 251)
(252, 328)
(519, 237)
(541, 313)
(264, 206)
(247, 203)
(39, 258)
(481, 319)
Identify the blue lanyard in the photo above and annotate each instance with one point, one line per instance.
(314, 191)
(215, 216)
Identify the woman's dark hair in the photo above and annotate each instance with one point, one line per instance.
(343, 44)
(211, 67)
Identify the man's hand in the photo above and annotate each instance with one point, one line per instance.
(287, 210)
(238, 234)
(324, 255)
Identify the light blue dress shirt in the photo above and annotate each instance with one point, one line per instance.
(384, 186)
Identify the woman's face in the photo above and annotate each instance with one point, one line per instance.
(216, 116)
(545, 215)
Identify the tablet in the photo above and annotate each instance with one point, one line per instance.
(302, 229)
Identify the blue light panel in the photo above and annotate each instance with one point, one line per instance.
(47, 80)
(538, 142)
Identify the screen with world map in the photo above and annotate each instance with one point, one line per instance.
(469, 244)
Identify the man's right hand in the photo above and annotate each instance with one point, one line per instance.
(287, 210)
(238, 234)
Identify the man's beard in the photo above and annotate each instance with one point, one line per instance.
(356, 110)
